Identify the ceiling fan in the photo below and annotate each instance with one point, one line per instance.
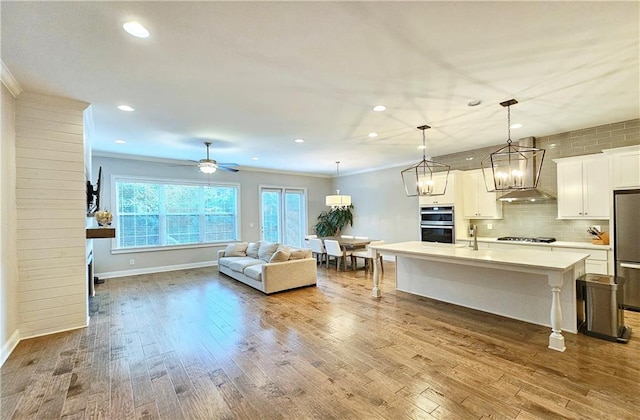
(209, 166)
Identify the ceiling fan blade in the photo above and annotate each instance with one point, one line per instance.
(233, 165)
(225, 168)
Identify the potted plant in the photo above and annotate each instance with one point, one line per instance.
(331, 222)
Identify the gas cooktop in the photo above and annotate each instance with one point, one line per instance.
(525, 239)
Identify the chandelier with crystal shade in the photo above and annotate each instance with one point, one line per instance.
(425, 178)
(512, 167)
(338, 201)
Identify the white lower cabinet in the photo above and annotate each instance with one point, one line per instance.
(598, 261)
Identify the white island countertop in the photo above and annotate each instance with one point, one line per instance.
(522, 258)
(509, 282)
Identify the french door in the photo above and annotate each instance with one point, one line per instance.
(283, 215)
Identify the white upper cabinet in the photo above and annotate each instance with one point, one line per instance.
(449, 194)
(625, 166)
(583, 187)
(477, 202)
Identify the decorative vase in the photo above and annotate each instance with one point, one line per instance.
(104, 218)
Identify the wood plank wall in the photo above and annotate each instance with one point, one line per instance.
(51, 209)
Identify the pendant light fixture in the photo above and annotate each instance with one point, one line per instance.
(419, 179)
(338, 201)
(512, 167)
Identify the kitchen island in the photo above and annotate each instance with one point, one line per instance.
(511, 283)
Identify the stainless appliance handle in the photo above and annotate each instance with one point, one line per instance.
(436, 227)
(627, 265)
(436, 212)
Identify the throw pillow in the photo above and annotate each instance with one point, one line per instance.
(252, 249)
(236, 250)
(267, 250)
(280, 256)
(297, 254)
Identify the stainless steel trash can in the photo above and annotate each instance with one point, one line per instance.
(600, 312)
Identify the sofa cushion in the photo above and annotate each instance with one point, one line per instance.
(280, 256)
(298, 254)
(238, 249)
(226, 261)
(252, 249)
(267, 250)
(254, 272)
(240, 263)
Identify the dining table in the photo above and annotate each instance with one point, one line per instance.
(347, 244)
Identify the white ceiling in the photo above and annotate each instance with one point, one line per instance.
(253, 76)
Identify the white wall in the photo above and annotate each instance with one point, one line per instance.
(9, 335)
(112, 265)
(51, 210)
(381, 207)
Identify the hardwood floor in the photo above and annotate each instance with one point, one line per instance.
(196, 345)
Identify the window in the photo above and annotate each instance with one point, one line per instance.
(283, 215)
(154, 213)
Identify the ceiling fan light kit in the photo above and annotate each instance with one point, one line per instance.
(512, 167)
(419, 179)
(209, 166)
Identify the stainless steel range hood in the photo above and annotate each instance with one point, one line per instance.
(526, 196)
(533, 195)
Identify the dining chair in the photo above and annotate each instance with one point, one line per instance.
(318, 250)
(306, 240)
(335, 250)
(368, 254)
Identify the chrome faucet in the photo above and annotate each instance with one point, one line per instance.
(474, 230)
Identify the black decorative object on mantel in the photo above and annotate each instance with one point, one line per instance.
(93, 195)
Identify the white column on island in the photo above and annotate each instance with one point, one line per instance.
(556, 340)
(376, 276)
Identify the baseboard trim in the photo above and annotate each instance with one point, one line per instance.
(151, 270)
(9, 346)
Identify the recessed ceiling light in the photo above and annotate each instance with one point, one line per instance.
(254, 158)
(422, 146)
(469, 158)
(475, 102)
(552, 145)
(516, 125)
(125, 108)
(299, 140)
(372, 135)
(120, 141)
(136, 29)
(379, 108)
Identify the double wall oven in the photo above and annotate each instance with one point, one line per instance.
(437, 224)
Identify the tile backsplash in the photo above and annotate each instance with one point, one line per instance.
(540, 219)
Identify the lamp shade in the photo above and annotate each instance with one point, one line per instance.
(338, 201)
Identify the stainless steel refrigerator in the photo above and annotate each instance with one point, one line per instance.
(626, 208)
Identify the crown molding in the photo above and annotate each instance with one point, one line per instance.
(9, 81)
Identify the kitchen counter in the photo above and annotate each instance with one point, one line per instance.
(559, 244)
(512, 283)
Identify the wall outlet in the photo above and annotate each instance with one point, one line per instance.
(489, 226)
(132, 262)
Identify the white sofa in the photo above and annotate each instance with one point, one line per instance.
(268, 267)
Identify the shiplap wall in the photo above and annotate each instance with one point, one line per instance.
(51, 210)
